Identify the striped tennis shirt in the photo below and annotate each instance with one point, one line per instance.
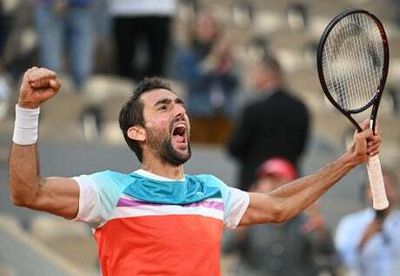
(145, 224)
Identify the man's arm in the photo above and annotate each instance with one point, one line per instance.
(59, 196)
(289, 200)
(55, 195)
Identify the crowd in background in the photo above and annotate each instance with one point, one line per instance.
(128, 39)
(135, 39)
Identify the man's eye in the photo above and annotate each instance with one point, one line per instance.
(163, 107)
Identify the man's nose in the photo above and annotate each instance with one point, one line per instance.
(179, 110)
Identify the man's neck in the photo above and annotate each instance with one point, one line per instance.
(163, 169)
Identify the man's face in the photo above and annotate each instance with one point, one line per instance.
(167, 126)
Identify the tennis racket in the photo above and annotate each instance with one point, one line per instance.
(353, 62)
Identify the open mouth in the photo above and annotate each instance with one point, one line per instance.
(179, 133)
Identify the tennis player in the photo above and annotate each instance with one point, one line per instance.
(156, 220)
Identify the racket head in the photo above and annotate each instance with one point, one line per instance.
(353, 62)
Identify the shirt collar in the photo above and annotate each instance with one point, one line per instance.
(155, 176)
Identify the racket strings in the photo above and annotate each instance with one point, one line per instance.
(352, 61)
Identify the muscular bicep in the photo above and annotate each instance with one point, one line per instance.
(58, 196)
(263, 208)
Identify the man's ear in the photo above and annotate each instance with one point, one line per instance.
(137, 133)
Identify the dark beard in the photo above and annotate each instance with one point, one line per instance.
(165, 150)
(169, 154)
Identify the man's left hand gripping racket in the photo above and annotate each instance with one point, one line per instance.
(353, 62)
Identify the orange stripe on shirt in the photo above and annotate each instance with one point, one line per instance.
(160, 245)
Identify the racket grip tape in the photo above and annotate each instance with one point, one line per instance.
(377, 185)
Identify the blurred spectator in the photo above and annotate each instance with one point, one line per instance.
(18, 38)
(66, 25)
(291, 248)
(103, 59)
(274, 124)
(206, 67)
(368, 241)
(142, 32)
(325, 256)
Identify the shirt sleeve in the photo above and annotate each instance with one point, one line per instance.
(236, 203)
(237, 206)
(98, 195)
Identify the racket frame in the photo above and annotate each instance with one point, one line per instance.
(375, 100)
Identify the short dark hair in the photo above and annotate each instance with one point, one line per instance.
(131, 113)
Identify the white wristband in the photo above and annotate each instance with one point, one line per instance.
(26, 125)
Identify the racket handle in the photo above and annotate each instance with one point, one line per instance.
(379, 199)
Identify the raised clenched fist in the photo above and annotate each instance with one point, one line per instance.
(38, 85)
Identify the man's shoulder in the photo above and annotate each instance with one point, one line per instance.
(290, 97)
(107, 177)
(111, 174)
(280, 95)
